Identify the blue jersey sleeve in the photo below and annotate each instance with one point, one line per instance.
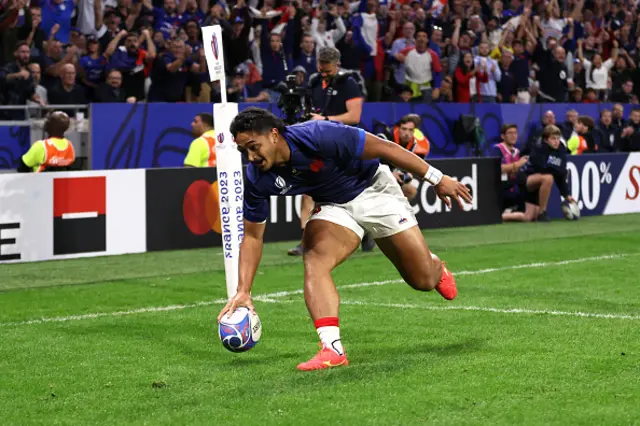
(256, 205)
(335, 140)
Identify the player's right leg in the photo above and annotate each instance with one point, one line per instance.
(543, 184)
(326, 245)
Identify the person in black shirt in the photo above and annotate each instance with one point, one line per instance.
(67, 92)
(508, 85)
(18, 84)
(547, 164)
(553, 72)
(112, 91)
(606, 134)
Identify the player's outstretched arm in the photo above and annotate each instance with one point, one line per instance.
(446, 188)
(248, 261)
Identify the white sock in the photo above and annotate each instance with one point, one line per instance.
(330, 338)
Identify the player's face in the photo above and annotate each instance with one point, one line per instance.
(258, 149)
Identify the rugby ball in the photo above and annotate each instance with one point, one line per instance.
(571, 211)
(241, 331)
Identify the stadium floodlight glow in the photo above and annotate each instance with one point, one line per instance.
(228, 161)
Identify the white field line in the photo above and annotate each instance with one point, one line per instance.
(494, 310)
(269, 297)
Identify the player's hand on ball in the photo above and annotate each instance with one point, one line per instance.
(239, 300)
(449, 188)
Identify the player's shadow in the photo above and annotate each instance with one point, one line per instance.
(372, 362)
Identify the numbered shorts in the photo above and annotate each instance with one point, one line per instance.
(381, 210)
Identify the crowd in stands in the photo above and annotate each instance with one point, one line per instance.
(79, 51)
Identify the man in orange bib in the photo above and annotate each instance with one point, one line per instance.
(52, 154)
(202, 152)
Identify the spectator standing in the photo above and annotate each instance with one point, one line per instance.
(407, 41)
(307, 57)
(508, 86)
(132, 61)
(423, 72)
(467, 79)
(19, 85)
(67, 92)
(488, 89)
(58, 12)
(597, 71)
(172, 72)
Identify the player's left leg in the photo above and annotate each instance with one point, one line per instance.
(387, 215)
(326, 245)
(418, 266)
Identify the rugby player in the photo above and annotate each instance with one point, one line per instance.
(339, 166)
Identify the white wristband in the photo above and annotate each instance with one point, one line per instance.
(433, 176)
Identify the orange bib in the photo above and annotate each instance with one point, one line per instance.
(54, 157)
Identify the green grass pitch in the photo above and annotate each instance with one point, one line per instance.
(545, 330)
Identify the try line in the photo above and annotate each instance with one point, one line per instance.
(272, 298)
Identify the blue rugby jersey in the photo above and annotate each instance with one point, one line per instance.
(325, 164)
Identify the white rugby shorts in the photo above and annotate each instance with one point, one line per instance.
(381, 210)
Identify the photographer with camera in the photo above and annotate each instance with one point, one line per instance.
(335, 96)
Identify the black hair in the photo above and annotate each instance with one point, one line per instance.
(256, 120)
(206, 118)
(20, 44)
(506, 127)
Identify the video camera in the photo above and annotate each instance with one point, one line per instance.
(295, 101)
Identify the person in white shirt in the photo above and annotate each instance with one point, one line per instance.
(325, 38)
(597, 71)
(423, 71)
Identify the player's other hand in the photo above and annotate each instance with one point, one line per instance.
(242, 298)
(449, 188)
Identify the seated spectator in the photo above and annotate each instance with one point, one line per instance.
(583, 141)
(111, 90)
(239, 91)
(630, 136)
(34, 69)
(606, 134)
(546, 164)
(514, 208)
(625, 94)
(591, 97)
(68, 92)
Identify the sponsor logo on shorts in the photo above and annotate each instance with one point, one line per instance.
(402, 220)
(316, 210)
